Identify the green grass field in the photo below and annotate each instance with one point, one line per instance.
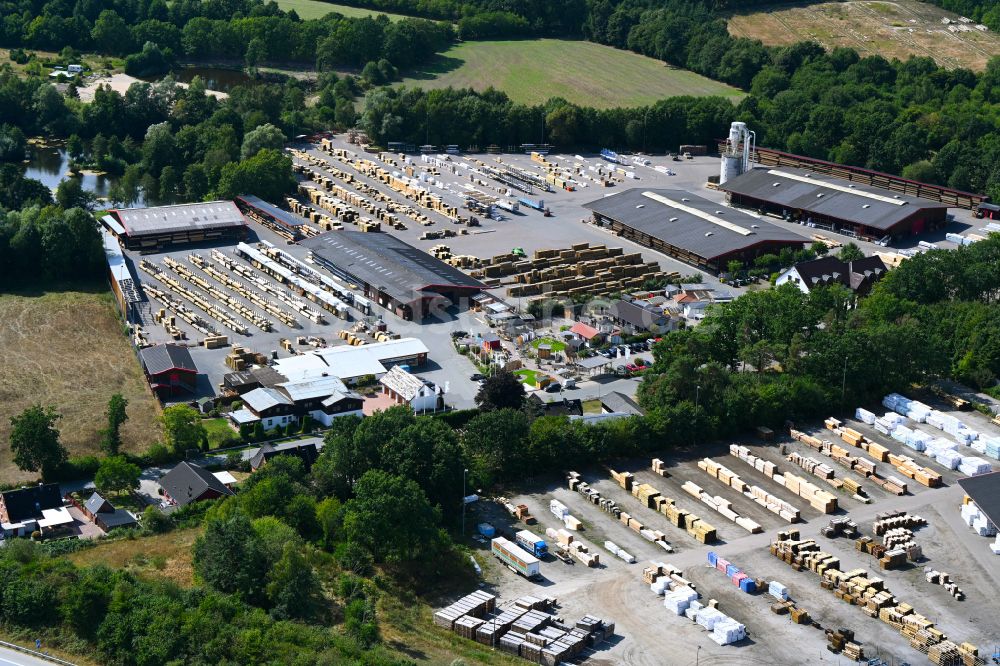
(532, 71)
(556, 345)
(313, 9)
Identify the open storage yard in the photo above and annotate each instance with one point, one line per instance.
(59, 348)
(532, 71)
(645, 630)
(891, 29)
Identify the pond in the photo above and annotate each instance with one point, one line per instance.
(215, 78)
(50, 165)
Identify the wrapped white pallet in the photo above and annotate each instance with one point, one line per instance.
(777, 590)
(728, 631)
(611, 547)
(948, 458)
(893, 419)
(558, 509)
(626, 556)
(971, 466)
(660, 586)
(707, 617)
(864, 416)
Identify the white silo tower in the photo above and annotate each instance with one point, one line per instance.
(737, 152)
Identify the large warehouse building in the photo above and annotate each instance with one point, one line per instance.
(695, 230)
(163, 226)
(398, 276)
(864, 211)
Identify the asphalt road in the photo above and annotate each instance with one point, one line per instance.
(15, 658)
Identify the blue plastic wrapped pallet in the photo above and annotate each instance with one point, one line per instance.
(732, 570)
(712, 557)
(748, 585)
(487, 530)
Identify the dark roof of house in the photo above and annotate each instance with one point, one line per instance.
(29, 502)
(831, 270)
(117, 518)
(827, 196)
(272, 211)
(187, 482)
(637, 316)
(306, 452)
(689, 222)
(564, 407)
(984, 489)
(162, 358)
(388, 264)
(616, 401)
(97, 504)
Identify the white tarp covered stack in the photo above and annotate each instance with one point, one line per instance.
(971, 466)
(917, 411)
(558, 509)
(988, 446)
(977, 520)
(728, 630)
(777, 590)
(678, 599)
(864, 416)
(948, 458)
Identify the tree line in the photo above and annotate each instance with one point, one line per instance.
(245, 30)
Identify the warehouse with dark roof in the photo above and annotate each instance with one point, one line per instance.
(163, 226)
(398, 276)
(826, 202)
(695, 230)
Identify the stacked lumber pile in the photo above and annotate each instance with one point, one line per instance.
(859, 588)
(819, 499)
(856, 464)
(702, 531)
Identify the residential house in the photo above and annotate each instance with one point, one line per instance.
(187, 483)
(406, 389)
(586, 332)
(105, 515)
(633, 318)
(32, 508)
(304, 451)
(169, 370)
(564, 407)
(859, 276)
(323, 399)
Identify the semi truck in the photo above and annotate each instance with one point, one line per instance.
(532, 543)
(515, 558)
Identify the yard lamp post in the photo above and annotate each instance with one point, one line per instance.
(464, 472)
(697, 656)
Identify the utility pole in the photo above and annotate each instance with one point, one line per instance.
(843, 384)
(464, 472)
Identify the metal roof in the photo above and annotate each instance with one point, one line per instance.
(829, 197)
(261, 399)
(689, 222)
(348, 362)
(283, 216)
(383, 261)
(182, 217)
(307, 389)
(161, 358)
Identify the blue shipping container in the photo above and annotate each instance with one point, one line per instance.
(748, 586)
(712, 557)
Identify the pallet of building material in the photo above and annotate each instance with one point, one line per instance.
(624, 479)
(659, 467)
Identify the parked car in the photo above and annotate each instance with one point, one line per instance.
(554, 387)
(477, 377)
(459, 334)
